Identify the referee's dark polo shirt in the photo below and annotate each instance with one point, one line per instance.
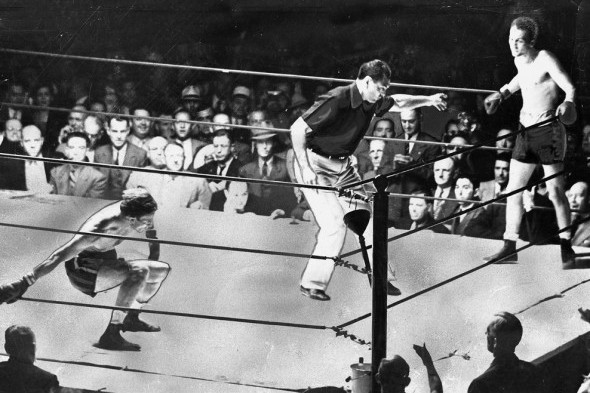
(339, 120)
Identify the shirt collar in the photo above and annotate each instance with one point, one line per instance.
(356, 99)
(268, 162)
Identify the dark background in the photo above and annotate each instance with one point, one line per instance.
(453, 43)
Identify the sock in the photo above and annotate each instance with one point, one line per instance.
(567, 235)
(118, 316)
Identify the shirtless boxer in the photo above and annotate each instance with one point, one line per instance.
(539, 78)
(92, 266)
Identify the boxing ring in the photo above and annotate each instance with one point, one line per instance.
(231, 314)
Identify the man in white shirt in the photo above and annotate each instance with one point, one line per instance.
(119, 152)
(444, 177)
(173, 190)
(184, 137)
(35, 171)
(140, 128)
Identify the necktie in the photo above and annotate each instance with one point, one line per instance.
(116, 157)
(220, 169)
(407, 148)
(265, 170)
(437, 206)
(73, 179)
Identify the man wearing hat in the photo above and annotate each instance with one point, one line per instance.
(267, 166)
(393, 374)
(239, 109)
(204, 131)
(323, 140)
(18, 374)
(192, 99)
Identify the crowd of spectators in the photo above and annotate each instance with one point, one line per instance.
(161, 135)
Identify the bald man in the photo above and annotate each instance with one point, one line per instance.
(36, 172)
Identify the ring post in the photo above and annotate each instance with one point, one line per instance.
(379, 327)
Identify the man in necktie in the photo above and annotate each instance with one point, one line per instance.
(78, 180)
(268, 200)
(119, 152)
(223, 164)
(35, 172)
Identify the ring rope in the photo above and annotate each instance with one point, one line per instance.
(242, 126)
(163, 241)
(168, 172)
(434, 143)
(229, 71)
(179, 314)
(444, 282)
(458, 151)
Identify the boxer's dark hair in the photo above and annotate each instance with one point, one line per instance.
(529, 26)
(137, 202)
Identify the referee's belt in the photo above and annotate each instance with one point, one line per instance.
(329, 156)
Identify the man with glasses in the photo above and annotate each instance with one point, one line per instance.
(92, 266)
(324, 138)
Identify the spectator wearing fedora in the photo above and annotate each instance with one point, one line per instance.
(267, 166)
(192, 100)
(183, 135)
(19, 374)
(239, 109)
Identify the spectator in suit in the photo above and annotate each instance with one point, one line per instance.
(491, 189)
(577, 197)
(119, 152)
(173, 190)
(237, 198)
(378, 161)
(506, 143)
(410, 153)
(13, 130)
(205, 131)
(19, 374)
(183, 135)
(224, 164)
(94, 130)
(239, 109)
(421, 212)
(507, 373)
(485, 222)
(36, 172)
(140, 128)
(156, 156)
(12, 176)
(192, 101)
(78, 180)
(444, 177)
(48, 121)
(268, 166)
(383, 128)
(16, 94)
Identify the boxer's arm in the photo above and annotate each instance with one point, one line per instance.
(409, 102)
(69, 250)
(559, 75)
